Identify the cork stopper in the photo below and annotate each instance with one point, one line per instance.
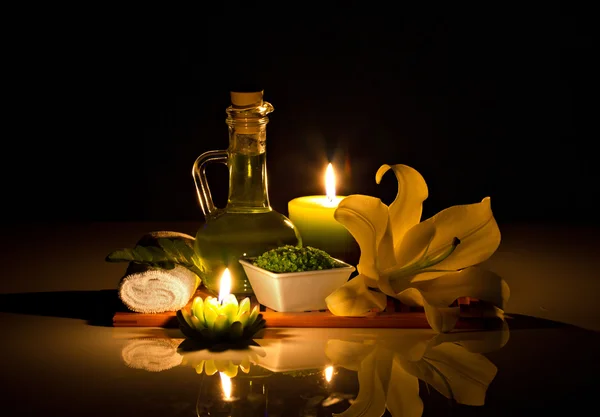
(245, 99)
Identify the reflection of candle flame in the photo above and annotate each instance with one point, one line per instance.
(225, 386)
(328, 373)
(330, 183)
(225, 285)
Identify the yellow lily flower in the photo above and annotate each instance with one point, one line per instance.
(429, 263)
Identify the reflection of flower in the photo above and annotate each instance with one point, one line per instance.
(151, 354)
(419, 263)
(389, 371)
(227, 362)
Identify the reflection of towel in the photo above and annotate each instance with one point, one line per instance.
(155, 290)
(151, 354)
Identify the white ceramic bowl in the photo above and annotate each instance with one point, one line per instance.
(295, 291)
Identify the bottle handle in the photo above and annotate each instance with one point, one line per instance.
(199, 174)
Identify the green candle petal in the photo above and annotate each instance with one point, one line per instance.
(243, 318)
(236, 331)
(253, 316)
(211, 303)
(197, 324)
(230, 299)
(244, 307)
(210, 316)
(221, 324)
(230, 311)
(198, 308)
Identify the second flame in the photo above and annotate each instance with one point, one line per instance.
(330, 183)
(328, 373)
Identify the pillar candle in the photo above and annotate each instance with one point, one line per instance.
(313, 217)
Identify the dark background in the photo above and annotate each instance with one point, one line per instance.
(107, 112)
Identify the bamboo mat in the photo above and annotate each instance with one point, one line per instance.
(396, 315)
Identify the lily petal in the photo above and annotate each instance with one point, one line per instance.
(441, 319)
(438, 294)
(411, 345)
(475, 342)
(403, 393)
(370, 401)
(383, 366)
(457, 374)
(355, 299)
(406, 209)
(409, 257)
(475, 282)
(347, 354)
(474, 225)
(411, 297)
(415, 244)
(366, 218)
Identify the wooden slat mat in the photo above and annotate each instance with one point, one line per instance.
(396, 315)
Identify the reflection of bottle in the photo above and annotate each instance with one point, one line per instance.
(151, 354)
(247, 226)
(220, 395)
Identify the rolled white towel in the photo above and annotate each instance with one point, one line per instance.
(158, 290)
(145, 289)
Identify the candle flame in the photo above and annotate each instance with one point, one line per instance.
(328, 373)
(225, 285)
(225, 386)
(330, 183)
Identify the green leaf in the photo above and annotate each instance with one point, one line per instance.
(198, 263)
(169, 247)
(184, 252)
(121, 255)
(169, 253)
(165, 265)
(143, 254)
(158, 254)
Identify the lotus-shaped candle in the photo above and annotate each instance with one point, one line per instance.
(221, 320)
(212, 321)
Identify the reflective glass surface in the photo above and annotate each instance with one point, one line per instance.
(59, 358)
